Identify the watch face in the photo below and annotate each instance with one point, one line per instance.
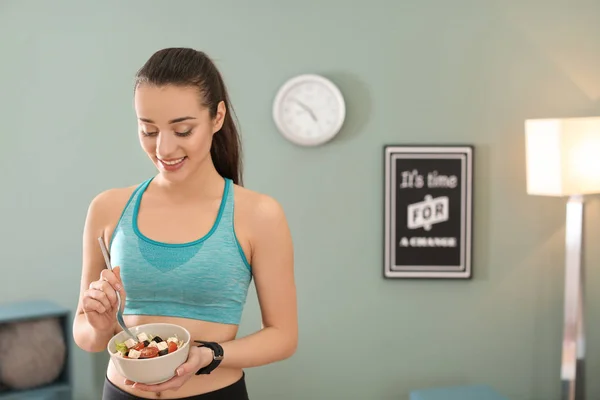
(309, 110)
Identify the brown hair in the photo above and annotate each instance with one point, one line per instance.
(189, 67)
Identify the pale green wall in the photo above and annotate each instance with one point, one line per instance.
(414, 71)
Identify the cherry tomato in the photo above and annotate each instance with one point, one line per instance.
(172, 347)
(139, 346)
(149, 352)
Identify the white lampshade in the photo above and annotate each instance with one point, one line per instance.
(563, 156)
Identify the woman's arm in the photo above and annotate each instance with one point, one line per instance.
(273, 270)
(93, 327)
(86, 336)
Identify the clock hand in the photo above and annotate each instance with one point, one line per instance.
(307, 109)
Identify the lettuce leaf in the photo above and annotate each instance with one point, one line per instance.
(121, 348)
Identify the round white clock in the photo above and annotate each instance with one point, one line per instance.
(309, 110)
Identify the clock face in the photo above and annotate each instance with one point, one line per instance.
(309, 110)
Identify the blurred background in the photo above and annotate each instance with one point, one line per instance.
(427, 72)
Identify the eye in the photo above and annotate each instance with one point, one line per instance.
(149, 133)
(184, 134)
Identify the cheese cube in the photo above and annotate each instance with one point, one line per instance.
(162, 346)
(130, 343)
(142, 336)
(153, 344)
(134, 353)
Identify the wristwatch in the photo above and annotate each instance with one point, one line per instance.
(217, 356)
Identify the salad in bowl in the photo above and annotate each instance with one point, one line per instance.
(148, 346)
(154, 357)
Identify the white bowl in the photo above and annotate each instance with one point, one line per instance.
(155, 370)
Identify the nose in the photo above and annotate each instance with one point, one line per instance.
(165, 146)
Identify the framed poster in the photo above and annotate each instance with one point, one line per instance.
(428, 211)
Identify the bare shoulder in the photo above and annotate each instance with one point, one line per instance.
(262, 226)
(111, 199)
(257, 207)
(107, 205)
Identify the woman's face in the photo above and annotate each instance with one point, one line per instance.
(175, 131)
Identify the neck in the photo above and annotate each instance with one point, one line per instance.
(203, 181)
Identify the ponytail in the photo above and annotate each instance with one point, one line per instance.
(225, 150)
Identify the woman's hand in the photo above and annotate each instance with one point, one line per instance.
(100, 300)
(199, 357)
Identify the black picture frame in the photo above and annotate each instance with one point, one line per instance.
(428, 211)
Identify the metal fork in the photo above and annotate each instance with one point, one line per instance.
(119, 312)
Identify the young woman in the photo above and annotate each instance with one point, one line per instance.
(187, 242)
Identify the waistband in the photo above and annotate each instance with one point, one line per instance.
(235, 391)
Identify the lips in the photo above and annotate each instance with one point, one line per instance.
(172, 164)
(173, 161)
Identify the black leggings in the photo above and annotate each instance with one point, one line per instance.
(235, 391)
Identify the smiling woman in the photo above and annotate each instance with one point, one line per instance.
(189, 135)
(187, 242)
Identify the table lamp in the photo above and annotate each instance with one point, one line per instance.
(563, 159)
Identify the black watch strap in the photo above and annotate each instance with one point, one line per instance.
(218, 356)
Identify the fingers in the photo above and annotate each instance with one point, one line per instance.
(191, 364)
(104, 289)
(117, 272)
(90, 303)
(120, 288)
(101, 293)
(101, 296)
(172, 384)
(112, 278)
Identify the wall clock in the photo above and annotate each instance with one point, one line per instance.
(309, 110)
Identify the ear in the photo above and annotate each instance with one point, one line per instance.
(219, 117)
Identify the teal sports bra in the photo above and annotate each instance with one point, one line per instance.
(206, 279)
